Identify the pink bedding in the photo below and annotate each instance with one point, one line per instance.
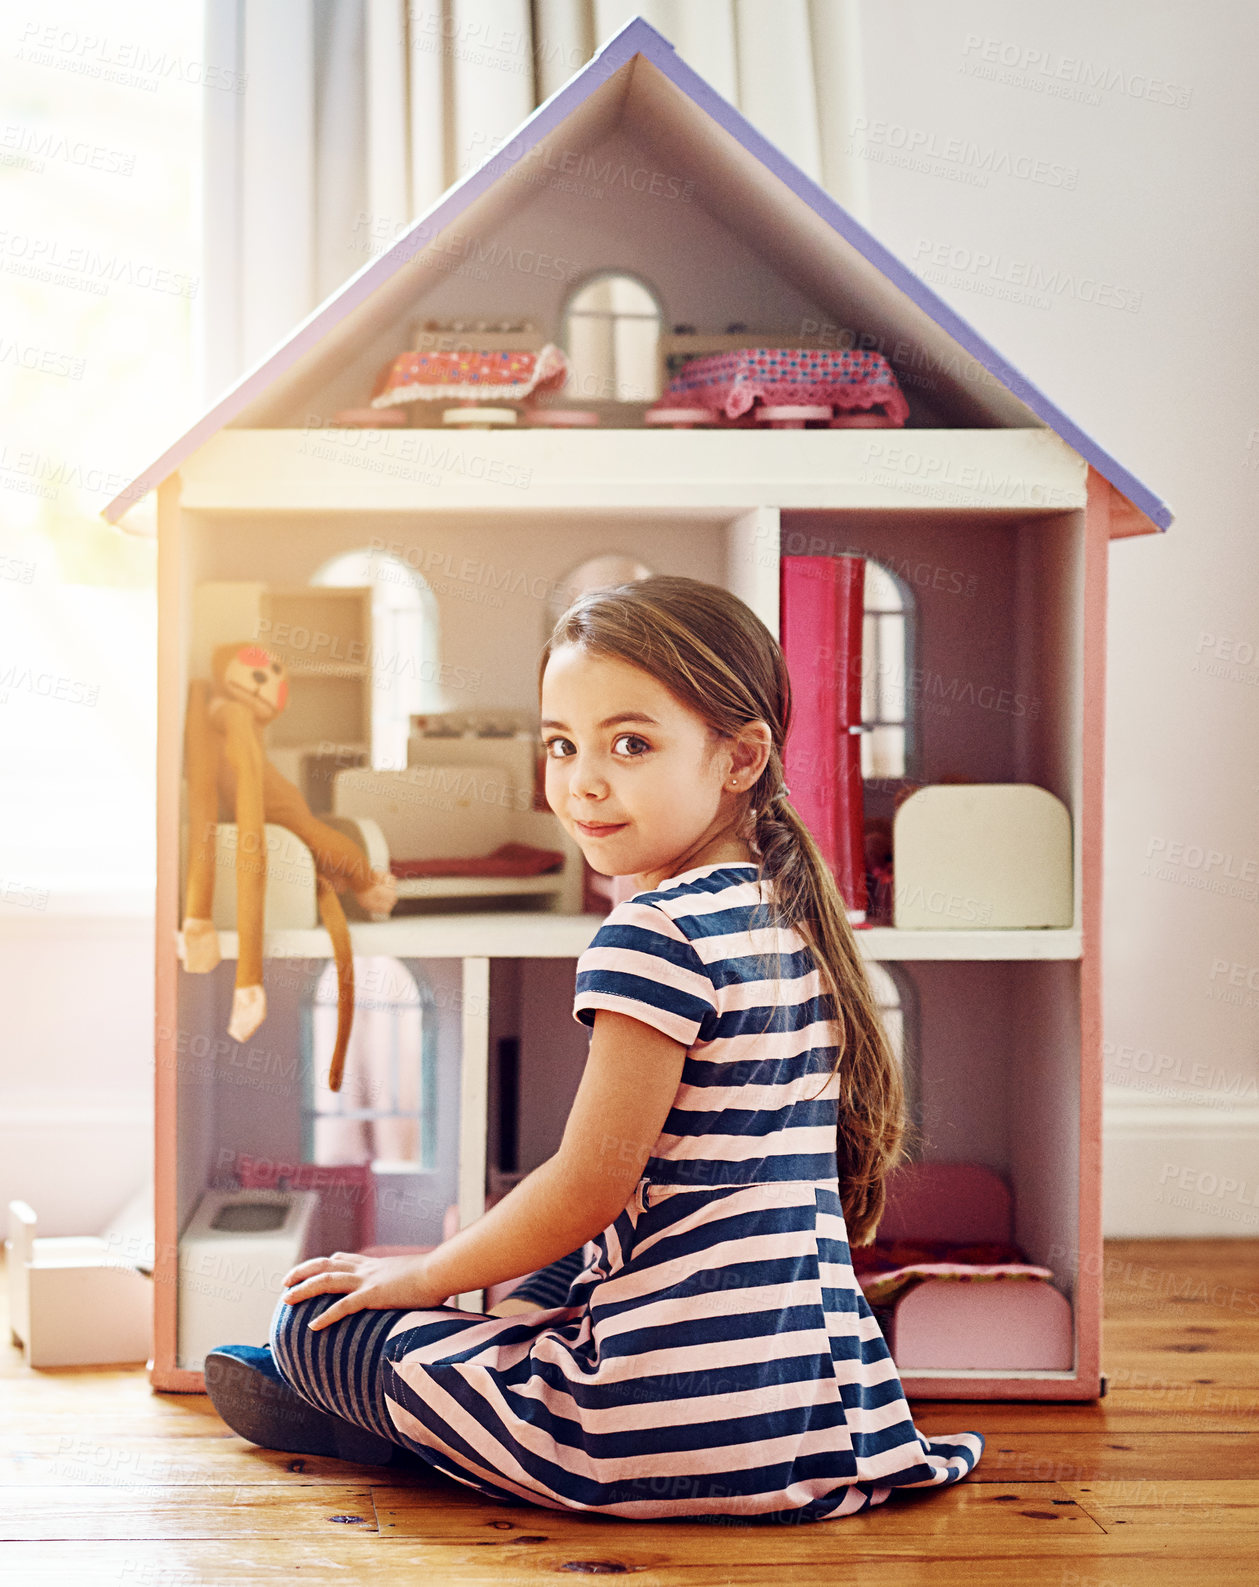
(508, 859)
(889, 1269)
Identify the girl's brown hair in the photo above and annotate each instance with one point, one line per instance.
(717, 658)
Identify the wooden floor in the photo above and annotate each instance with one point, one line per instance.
(1157, 1483)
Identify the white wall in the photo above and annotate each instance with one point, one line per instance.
(1155, 202)
(76, 1113)
(76, 892)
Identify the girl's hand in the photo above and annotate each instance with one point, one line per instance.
(364, 1282)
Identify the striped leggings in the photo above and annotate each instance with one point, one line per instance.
(340, 1369)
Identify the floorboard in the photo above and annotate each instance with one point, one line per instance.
(107, 1482)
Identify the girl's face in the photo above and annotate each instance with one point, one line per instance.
(641, 782)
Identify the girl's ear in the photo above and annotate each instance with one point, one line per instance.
(752, 747)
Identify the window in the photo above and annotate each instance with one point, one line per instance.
(385, 1113)
(405, 651)
(611, 338)
(897, 1005)
(595, 573)
(887, 747)
(98, 299)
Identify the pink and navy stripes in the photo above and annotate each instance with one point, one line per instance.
(755, 1103)
(710, 1353)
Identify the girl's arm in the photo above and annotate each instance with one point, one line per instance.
(631, 1077)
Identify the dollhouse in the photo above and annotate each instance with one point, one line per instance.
(406, 559)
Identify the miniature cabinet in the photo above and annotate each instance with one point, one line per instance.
(323, 635)
(996, 524)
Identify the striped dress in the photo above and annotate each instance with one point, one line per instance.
(715, 1356)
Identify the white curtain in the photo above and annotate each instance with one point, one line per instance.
(357, 114)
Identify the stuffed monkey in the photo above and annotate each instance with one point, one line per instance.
(229, 778)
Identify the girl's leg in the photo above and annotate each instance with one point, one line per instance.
(318, 1392)
(340, 1368)
(323, 1391)
(322, 1396)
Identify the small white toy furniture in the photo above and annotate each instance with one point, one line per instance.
(232, 1260)
(290, 900)
(987, 856)
(82, 1300)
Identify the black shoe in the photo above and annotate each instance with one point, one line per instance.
(247, 1391)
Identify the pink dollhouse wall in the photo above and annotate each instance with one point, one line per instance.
(248, 1099)
(978, 687)
(532, 999)
(480, 568)
(553, 1054)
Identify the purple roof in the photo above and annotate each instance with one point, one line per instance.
(637, 37)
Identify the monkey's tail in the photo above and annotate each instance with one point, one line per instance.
(333, 917)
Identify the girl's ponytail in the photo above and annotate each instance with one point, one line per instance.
(871, 1126)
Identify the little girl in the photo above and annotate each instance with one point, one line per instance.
(692, 1341)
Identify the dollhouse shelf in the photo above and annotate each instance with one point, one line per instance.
(1022, 471)
(501, 934)
(476, 886)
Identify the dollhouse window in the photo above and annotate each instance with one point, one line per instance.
(405, 647)
(611, 338)
(887, 747)
(385, 1111)
(895, 998)
(595, 573)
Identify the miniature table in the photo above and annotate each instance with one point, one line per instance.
(436, 376)
(729, 384)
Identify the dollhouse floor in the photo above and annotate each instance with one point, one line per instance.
(1157, 1482)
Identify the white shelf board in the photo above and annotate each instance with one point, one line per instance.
(494, 934)
(886, 942)
(1013, 471)
(990, 1374)
(477, 886)
(502, 934)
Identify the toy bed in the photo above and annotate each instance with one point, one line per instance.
(948, 1285)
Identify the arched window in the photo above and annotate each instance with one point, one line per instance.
(406, 649)
(595, 573)
(888, 747)
(611, 337)
(894, 994)
(385, 1113)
